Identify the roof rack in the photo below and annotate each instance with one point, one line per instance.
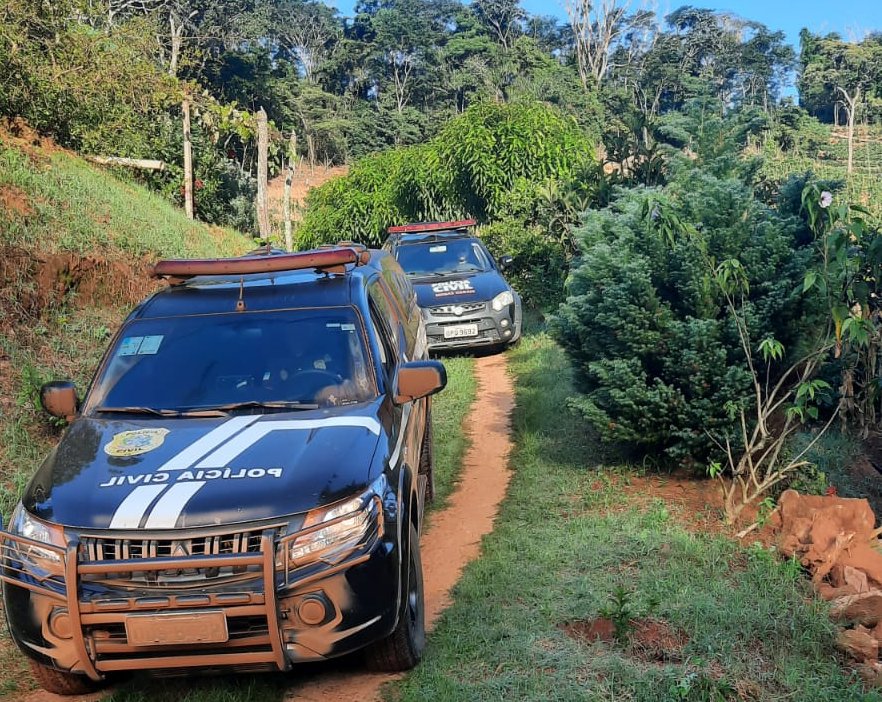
(329, 260)
(418, 227)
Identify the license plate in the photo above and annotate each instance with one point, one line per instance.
(460, 330)
(177, 628)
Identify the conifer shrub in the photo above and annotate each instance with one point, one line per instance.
(656, 354)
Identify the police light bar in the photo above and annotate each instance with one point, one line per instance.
(330, 260)
(431, 226)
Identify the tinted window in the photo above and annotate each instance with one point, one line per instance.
(443, 257)
(388, 310)
(183, 363)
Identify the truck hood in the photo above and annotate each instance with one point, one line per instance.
(458, 288)
(158, 473)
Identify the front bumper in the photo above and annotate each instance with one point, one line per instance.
(492, 327)
(81, 617)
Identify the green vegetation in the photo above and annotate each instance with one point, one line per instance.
(658, 358)
(568, 536)
(449, 408)
(68, 205)
(487, 163)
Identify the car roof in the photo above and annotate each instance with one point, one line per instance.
(212, 294)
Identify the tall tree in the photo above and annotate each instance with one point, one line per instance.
(839, 74)
(502, 17)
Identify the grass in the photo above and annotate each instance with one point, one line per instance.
(566, 539)
(73, 206)
(53, 201)
(449, 408)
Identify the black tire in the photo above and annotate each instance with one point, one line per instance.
(427, 461)
(403, 648)
(62, 683)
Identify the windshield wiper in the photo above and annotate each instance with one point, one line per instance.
(211, 412)
(276, 404)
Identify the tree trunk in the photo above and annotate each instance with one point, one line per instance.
(188, 161)
(177, 40)
(289, 182)
(850, 166)
(263, 224)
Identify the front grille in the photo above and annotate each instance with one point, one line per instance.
(457, 310)
(110, 549)
(125, 556)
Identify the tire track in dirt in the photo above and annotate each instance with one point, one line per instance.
(453, 536)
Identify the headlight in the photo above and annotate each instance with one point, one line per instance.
(502, 300)
(348, 523)
(23, 524)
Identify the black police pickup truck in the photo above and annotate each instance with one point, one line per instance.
(242, 486)
(465, 300)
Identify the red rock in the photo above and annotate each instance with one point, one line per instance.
(859, 644)
(864, 608)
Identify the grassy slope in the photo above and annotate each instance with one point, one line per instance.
(77, 207)
(566, 538)
(449, 408)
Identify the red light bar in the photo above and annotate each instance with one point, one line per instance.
(431, 226)
(328, 259)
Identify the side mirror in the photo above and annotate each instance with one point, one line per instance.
(419, 379)
(59, 398)
(505, 261)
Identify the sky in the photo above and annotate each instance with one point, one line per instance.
(851, 18)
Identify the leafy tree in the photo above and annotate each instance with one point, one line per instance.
(837, 73)
(489, 163)
(502, 18)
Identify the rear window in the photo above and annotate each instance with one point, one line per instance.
(203, 362)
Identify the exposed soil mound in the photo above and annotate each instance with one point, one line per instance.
(649, 639)
(31, 284)
(13, 199)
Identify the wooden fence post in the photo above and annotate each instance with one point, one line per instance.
(188, 161)
(289, 182)
(263, 224)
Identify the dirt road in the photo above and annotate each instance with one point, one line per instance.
(453, 536)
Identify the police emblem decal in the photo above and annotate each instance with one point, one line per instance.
(134, 443)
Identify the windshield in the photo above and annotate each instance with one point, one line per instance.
(225, 361)
(443, 258)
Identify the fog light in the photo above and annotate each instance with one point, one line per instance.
(60, 624)
(507, 332)
(312, 611)
(503, 323)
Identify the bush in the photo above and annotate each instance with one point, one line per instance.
(656, 354)
(540, 266)
(93, 91)
(488, 163)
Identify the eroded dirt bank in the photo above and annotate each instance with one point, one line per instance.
(453, 536)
